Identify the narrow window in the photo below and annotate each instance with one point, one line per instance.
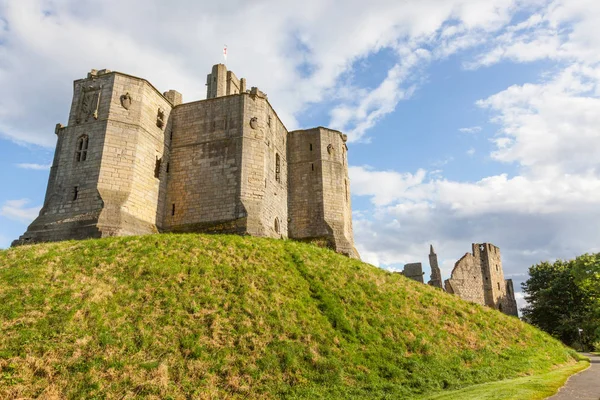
(82, 148)
(498, 285)
(311, 147)
(312, 166)
(346, 182)
(75, 192)
(157, 167)
(173, 209)
(277, 168)
(500, 307)
(277, 225)
(171, 136)
(167, 168)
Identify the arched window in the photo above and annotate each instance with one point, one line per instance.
(500, 307)
(82, 148)
(277, 168)
(276, 225)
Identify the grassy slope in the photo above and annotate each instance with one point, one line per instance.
(172, 316)
(536, 387)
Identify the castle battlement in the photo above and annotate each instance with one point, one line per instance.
(133, 160)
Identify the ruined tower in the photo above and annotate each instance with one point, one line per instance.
(436, 274)
(134, 161)
(478, 277)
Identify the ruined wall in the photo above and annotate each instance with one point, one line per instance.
(319, 188)
(467, 280)
(205, 167)
(436, 274)
(414, 271)
(510, 302)
(491, 268)
(264, 181)
(478, 277)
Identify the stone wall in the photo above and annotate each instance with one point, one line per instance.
(205, 167)
(319, 204)
(436, 274)
(478, 277)
(131, 178)
(467, 280)
(414, 271)
(264, 188)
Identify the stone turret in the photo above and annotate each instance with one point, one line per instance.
(436, 275)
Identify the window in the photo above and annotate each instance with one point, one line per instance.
(167, 170)
(500, 307)
(311, 147)
(312, 166)
(173, 209)
(498, 285)
(75, 192)
(277, 168)
(82, 148)
(157, 167)
(347, 191)
(276, 225)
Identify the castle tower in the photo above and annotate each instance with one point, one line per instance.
(494, 284)
(319, 188)
(107, 174)
(221, 82)
(436, 275)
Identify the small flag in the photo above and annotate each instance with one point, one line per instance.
(225, 53)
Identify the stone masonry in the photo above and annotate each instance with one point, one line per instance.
(478, 277)
(436, 274)
(134, 161)
(413, 271)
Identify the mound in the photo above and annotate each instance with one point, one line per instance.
(195, 316)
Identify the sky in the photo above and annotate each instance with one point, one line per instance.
(469, 121)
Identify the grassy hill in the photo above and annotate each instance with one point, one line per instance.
(195, 316)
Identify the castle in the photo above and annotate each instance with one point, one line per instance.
(133, 161)
(477, 277)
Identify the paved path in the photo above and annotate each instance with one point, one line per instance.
(583, 386)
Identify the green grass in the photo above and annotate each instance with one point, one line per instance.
(196, 316)
(536, 387)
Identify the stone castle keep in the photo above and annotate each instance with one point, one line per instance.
(477, 277)
(133, 161)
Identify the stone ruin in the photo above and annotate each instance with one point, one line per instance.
(477, 277)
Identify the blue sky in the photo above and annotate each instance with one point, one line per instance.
(469, 120)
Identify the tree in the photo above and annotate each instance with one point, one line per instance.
(586, 270)
(559, 303)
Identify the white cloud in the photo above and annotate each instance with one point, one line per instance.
(297, 55)
(472, 129)
(471, 151)
(40, 167)
(548, 129)
(17, 210)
